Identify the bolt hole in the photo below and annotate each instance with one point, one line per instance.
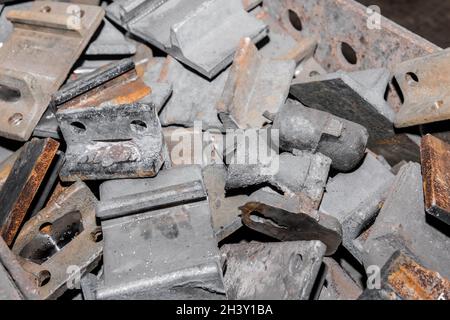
(78, 127)
(15, 119)
(138, 126)
(411, 78)
(46, 228)
(349, 53)
(314, 73)
(81, 13)
(295, 21)
(46, 9)
(43, 278)
(8, 94)
(97, 235)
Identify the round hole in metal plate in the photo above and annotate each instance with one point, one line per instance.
(43, 277)
(411, 78)
(9, 94)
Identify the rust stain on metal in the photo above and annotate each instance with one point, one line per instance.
(14, 210)
(413, 282)
(436, 177)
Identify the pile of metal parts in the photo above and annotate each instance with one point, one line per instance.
(105, 104)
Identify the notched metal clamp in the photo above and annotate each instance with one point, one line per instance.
(110, 129)
(424, 84)
(34, 62)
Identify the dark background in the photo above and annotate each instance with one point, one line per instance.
(427, 18)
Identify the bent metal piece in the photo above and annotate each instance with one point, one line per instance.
(436, 177)
(356, 96)
(61, 236)
(36, 59)
(343, 141)
(191, 31)
(255, 85)
(271, 271)
(110, 131)
(278, 216)
(23, 182)
(138, 239)
(404, 278)
(424, 84)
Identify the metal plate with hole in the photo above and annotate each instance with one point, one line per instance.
(61, 237)
(424, 84)
(34, 62)
(110, 130)
(271, 271)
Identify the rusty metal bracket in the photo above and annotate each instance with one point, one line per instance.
(355, 199)
(424, 85)
(23, 182)
(403, 225)
(271, 271)
(36, 59)
(141, 241)
(129, 141)
(343, 141)
(255, 85)
(404, 278)
(62, 235)
(357, 97)
(279, 217)
(192, 31)
(436, 177)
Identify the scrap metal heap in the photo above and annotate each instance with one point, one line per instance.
(221, 149)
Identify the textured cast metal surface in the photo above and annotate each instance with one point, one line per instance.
(301, 128)
(402, 225)
(136, 260)
(271, 271)
(36, 59)
(424, 83)
(355, 199)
